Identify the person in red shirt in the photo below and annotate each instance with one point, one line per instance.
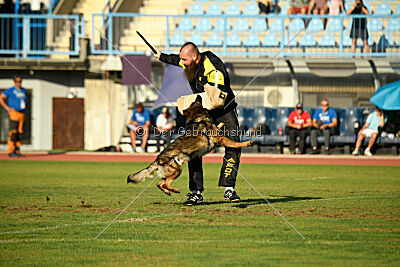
(299, 123)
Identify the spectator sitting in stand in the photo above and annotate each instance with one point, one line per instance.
(164, 125)
(320, 7)
(298, 6)
(370, 129)
(335, 7)
(325, 122)
(298, 125)
(139, 125)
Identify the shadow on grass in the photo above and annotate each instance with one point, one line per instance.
(244, 203)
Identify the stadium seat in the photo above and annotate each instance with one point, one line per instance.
(214, 9)
(276, 25)
(233, 40)
(347, 118)
(278, 118)
(204, 25)
(203, 1)
(374, 25)
(256, 116)
(291, 39)
(308, 40)
(315, 25)
(239, 1)
(219, 27)
(240, 115)
(233, 9)
(196, 9)
(220, 1)
(251, 10)
(334, 26)
(383, 9)
(393, 25)
(251, 40)
(214, 40)
(259, 25)
(177, 39)
(185, 25)
(327, 40)
(346, 40)
(270, 40)
(197, 39)
(397, 10)
(296, 25)
(241, 25)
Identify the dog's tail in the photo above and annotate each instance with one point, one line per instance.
(143, 174)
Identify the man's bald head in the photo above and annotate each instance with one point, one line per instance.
(189, 54)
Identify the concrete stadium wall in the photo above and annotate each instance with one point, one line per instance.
(105, 112)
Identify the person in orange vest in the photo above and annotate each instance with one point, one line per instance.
(16, 98)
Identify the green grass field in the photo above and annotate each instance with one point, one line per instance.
(349, 216)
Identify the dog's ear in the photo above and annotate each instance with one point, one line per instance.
(199, 99)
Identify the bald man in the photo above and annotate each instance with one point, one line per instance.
(206, 69)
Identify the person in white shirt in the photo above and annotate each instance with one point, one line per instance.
(164, 124)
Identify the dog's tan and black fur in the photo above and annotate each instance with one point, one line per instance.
(201, 136)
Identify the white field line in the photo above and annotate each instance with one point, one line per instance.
(311, 179)
(197, 241)
(130, 220)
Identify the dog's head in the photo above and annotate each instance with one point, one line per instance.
(195, 110)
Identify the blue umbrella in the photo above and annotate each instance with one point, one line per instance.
(387, 97)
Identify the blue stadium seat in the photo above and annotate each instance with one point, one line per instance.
(233, 40)
(291, 39)
(239, 1)
(308, 40)
(346, 40)
(219, 27)
(240, 114)
(214, 40)
(204, 25)
(259, 25)
(232, 10)
(296, 25)
(276, 25)
(185, 25)
(327, 40)
(347, 117)
(334, 26)
(241, 25)
(278, 118)
(315, 25)
(220, 1)
(203, 1)
(214, 9)
(397, 10)
(270, 40)
(177, 39)
(374, 25)
(393, 25)
(310, 110)
(197, 39)
(196, 9)
(383, 9)
(251, 40)
(258, 115)
(251, 9)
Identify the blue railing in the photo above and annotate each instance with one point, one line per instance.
(295, 35)
(33, 35)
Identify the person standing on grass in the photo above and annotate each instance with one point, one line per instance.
(140, 125)
(299, 122)
(370, 129)
(207, 71)
(16, 98)
(324, 123)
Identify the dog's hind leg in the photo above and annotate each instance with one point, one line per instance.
(175, 171)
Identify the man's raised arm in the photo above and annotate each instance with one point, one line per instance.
(169, 59)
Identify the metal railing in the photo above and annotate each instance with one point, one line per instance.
(40, 35)
(295, 35)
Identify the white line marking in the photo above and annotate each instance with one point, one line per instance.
(311, 179)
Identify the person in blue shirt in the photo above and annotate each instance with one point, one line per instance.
(324, 123)
(140, 125)
(16, 98)
(370, 129)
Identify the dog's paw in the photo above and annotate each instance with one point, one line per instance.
(128, 180)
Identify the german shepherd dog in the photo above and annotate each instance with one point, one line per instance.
(201, 136)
